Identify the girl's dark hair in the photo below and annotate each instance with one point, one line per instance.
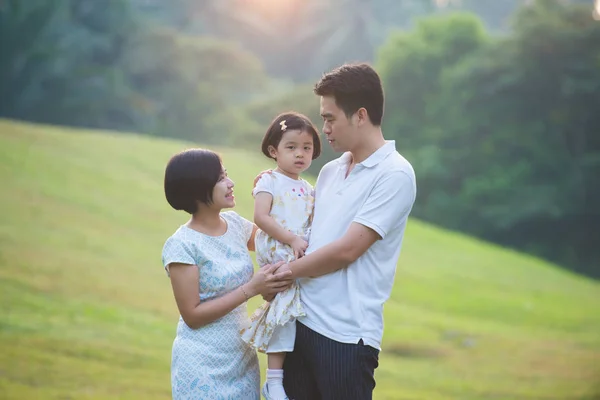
(354, 86)
(190, 177)
(293, 121)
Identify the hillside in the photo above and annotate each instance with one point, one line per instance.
(88, 313)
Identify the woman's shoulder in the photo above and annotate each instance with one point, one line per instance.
(232, 218)
(179, 237)
(178, 234)
(238, 223)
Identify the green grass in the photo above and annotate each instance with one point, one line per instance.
(88, 313)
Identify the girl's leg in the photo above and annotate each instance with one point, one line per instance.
(281, 342)
(275, 376)
(275, 360)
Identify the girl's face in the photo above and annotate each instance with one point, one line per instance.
(294, 152)
(222, 194)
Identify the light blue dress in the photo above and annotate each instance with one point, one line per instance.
(213, 362)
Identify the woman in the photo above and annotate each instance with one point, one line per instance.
(211, 272)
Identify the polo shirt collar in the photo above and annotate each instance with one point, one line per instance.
(379, 155)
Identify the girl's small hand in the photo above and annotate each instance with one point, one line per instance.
(299, 246)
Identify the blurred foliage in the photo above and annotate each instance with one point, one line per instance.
(498, 111)
(96, 63)
(504, 133)
(301, 99)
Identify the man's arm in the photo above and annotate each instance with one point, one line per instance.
(387, 205)
(336, 255)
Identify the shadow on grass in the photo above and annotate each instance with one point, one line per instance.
(407, 350)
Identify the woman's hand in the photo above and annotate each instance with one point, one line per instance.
(265, 283)
(299, 246)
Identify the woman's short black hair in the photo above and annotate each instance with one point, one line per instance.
(293, 121)
(190, 177)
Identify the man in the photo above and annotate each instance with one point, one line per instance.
(362, 204)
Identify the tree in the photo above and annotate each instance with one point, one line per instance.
(537, 98)
(30, 35)
(411, 65)
(57, 60)
(503, 135)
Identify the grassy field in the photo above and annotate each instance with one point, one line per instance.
(88, 313)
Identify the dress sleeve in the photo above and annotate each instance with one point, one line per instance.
(243, 227)
(247, 227)
(176, 250)
(266, 183)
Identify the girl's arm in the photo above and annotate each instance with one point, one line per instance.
(196, 313)
(262, 218)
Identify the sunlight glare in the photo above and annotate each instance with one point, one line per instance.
(272, 8)
(446, 3)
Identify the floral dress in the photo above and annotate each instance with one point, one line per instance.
(273, 327)
(212, 362)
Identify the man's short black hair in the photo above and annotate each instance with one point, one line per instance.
(190, 177)
(354, 86)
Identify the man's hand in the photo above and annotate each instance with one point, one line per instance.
(276, 283)
(283, 271)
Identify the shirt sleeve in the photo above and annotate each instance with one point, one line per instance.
(176, 251)
(265, 184)
(388, 204)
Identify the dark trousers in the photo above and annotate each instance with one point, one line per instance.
(322, 369)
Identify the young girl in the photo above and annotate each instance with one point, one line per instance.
(283, 208)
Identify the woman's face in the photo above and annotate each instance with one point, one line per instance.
(222, 194)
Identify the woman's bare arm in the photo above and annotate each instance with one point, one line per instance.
(196, 313)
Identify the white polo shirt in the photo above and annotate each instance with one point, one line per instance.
(347, 305)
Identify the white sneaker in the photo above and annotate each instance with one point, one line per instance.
(267, 396)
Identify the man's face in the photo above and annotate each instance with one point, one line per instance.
(339, 130)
